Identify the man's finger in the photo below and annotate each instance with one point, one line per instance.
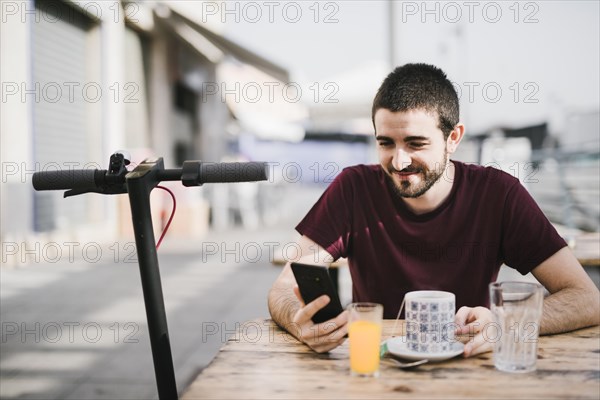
(333, 324)
(308, 311)
(462, 315)
(325, 346)
(331, 341)
(471, 328)
(478, 345)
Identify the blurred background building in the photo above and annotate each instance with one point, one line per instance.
(81, 80)
(185, 80)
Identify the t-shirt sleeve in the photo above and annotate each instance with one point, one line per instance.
(528, 238)
(329, 221)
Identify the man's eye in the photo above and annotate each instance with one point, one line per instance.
(417, 145)
(385, 144)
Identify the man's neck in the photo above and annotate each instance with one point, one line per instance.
(435, 196)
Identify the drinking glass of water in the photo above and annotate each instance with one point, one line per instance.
(517, 310)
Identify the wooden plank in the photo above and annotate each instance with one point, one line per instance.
(587, 249)
(273, 365)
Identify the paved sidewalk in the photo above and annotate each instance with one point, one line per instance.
(75, 330)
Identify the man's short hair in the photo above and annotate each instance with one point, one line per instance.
(419, 86)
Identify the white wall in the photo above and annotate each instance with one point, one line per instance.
(15, 123)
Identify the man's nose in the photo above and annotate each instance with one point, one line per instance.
(401, 159)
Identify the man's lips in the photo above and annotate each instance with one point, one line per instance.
(404, 173)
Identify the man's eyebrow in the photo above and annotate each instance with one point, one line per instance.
(416, 138)
(382, 137)
(406, 139)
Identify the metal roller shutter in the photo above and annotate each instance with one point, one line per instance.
(61, 106)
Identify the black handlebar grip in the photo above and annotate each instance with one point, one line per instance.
(234, 172)
(67, 179)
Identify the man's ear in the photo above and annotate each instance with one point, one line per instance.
(454, 138)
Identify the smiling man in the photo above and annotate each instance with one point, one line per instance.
(419, 221)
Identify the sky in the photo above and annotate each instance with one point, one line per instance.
(513, 63)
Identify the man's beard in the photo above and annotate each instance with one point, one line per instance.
(408, 189)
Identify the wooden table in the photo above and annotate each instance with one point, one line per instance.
(264, 362)
(587, 249)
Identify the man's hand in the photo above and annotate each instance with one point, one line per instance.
(319, 337)
(473, 321)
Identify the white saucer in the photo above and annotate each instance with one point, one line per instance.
(398, 347)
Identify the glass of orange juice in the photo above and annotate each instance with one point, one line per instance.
(364, 332)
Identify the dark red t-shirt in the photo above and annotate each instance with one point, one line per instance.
(488, 219)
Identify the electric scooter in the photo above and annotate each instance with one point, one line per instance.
(138, 183)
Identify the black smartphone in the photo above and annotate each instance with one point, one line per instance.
(314, 281)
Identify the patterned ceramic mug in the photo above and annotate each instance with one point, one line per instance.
(429, 321)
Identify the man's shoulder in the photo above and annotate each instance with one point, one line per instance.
(475, 174)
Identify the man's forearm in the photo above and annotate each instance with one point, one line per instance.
(282, 301)
(570, 309)
(283, 305)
